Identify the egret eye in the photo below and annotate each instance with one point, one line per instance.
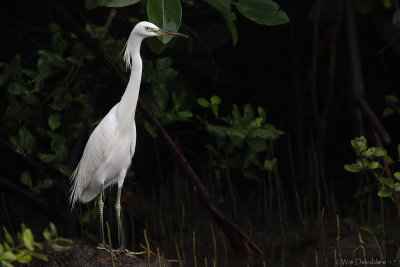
(147, 28)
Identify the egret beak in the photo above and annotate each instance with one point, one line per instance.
(169, 33)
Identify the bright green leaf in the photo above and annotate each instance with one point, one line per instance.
(353, 167)
(28, 239)
(379, 152)
(40, 256)
(7, 256)
(166, 14)
(265, 12)
(23, 258)
(59, 248)
(8, 237)
(185, 114)
(215, 100)
(397, 175)
(203, 102)
(373, 165)
(359, 144)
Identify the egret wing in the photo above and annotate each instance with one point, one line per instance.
(96, 151)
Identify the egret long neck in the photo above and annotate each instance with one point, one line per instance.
(127, 105)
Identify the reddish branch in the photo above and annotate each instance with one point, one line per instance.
(239, 238)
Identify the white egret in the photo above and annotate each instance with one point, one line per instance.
(110, 148)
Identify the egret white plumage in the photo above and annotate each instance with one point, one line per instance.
(110, 148)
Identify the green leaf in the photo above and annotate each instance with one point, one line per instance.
(236, 113)
(15, 88)
(120, 3)
(23, 258)
(47, 158)
(353, 167)
(26, 139)
(379, 152)
(47, 234)
(45, 184)
(215, 101)
(53, 229)
(397, 186)
(388, 111)
(229, 18)
(391, 99)
(30, 99)
(224, 7)
(366, 229)
(59, 248)
(217, 130)
(26, 178)
(385, 192)
(203, 102)
(386, 181)
(8, 237)
(40, 256)
(359, 144)
(397, 175)
(265, 12)
(185, 114)
(373, 165)
(51, 59)
(150, 130)
(54, 121)
(28, 239)
(166, 14)
(8, 256)
(270, 164)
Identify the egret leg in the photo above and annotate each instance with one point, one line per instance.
(119, 221)
(101, 207)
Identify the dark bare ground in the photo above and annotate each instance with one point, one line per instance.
(86, 255)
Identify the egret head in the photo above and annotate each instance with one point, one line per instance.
(147, 29)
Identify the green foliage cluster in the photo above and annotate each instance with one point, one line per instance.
(167, 14)
(241, 138)
(368, 159)
(25, 247)
(43, 102)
